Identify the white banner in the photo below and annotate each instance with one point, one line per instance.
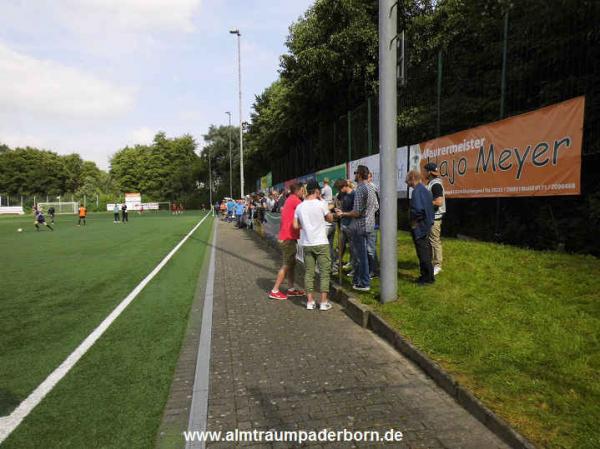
(372, 162)
(133, 206)
(11, 210)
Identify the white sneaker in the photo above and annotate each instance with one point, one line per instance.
(361, 289)
(325, 306)
(348, 266)
(310, 305)
(350, 274)
(436, 270)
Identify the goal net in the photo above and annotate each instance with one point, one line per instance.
(66, 207)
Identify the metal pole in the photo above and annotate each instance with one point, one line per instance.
(439, 93)
(334, 141)
(503, 80)
(209, 179)
(388, 142)
(502, 106)
(230, 166)
(349, 136)
(369, 124)
(239, 35)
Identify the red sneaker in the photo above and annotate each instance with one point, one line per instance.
(295, 292)
(277, 295)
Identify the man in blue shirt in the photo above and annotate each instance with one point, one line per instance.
(421, 220)
(239, 212)
(230, 208)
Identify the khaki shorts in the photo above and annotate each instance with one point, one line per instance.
(288, 251)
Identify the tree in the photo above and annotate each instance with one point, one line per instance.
(166, 170)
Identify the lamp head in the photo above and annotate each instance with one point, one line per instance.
(235, 31)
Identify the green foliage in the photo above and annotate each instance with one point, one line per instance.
(216, 144)
(30, 171)
(168, 169)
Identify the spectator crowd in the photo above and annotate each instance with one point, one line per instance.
(311, 217)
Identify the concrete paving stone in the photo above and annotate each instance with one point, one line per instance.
(276, 365)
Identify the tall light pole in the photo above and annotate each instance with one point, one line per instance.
(209, 180)
(230, 169)
(239, 35)
(387, 148)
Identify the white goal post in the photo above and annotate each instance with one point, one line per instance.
(63, 207)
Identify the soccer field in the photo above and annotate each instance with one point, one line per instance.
(57, 287)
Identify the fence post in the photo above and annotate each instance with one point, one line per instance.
(349, 136)
(439, 93)
(369, 124)
(503, 79)
(334, 140)
(502, 107)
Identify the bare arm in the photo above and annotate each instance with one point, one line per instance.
(438, 201)
(329, 217)
(296, 224)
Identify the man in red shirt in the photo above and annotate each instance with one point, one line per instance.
(288, 237)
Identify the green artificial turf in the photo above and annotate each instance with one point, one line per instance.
(57, 287)
(520, 328)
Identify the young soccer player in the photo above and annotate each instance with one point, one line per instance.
(41, 220)
(51, 212)
(82, 214)
(116, 213)
(124, 214)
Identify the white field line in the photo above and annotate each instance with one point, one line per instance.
(10, 422)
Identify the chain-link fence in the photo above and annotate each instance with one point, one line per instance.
(537, 58)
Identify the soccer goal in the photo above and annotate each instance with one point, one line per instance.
(63, 207)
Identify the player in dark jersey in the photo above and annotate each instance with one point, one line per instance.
(51, 212)
(124, 214)
(41, 220)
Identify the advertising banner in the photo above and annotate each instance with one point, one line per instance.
(307, 178)
(333, 174)
(289, 182)
(372, 162)
(532, 154)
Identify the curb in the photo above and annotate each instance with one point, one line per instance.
(365, 317)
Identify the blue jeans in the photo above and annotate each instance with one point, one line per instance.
(372, 252)
(359, 242)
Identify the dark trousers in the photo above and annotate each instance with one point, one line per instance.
(424, 253)
(359, 242)
(124, 217)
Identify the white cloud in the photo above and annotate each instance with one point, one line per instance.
(130, 14)
(142, 136)
(45, 87)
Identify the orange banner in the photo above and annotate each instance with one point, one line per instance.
(532, 154)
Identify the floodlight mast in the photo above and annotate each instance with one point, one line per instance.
(239, 35)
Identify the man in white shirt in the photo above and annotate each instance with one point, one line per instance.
(311, 218)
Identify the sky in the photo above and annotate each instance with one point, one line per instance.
(93, 76)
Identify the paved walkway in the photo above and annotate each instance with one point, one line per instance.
(276, 365)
